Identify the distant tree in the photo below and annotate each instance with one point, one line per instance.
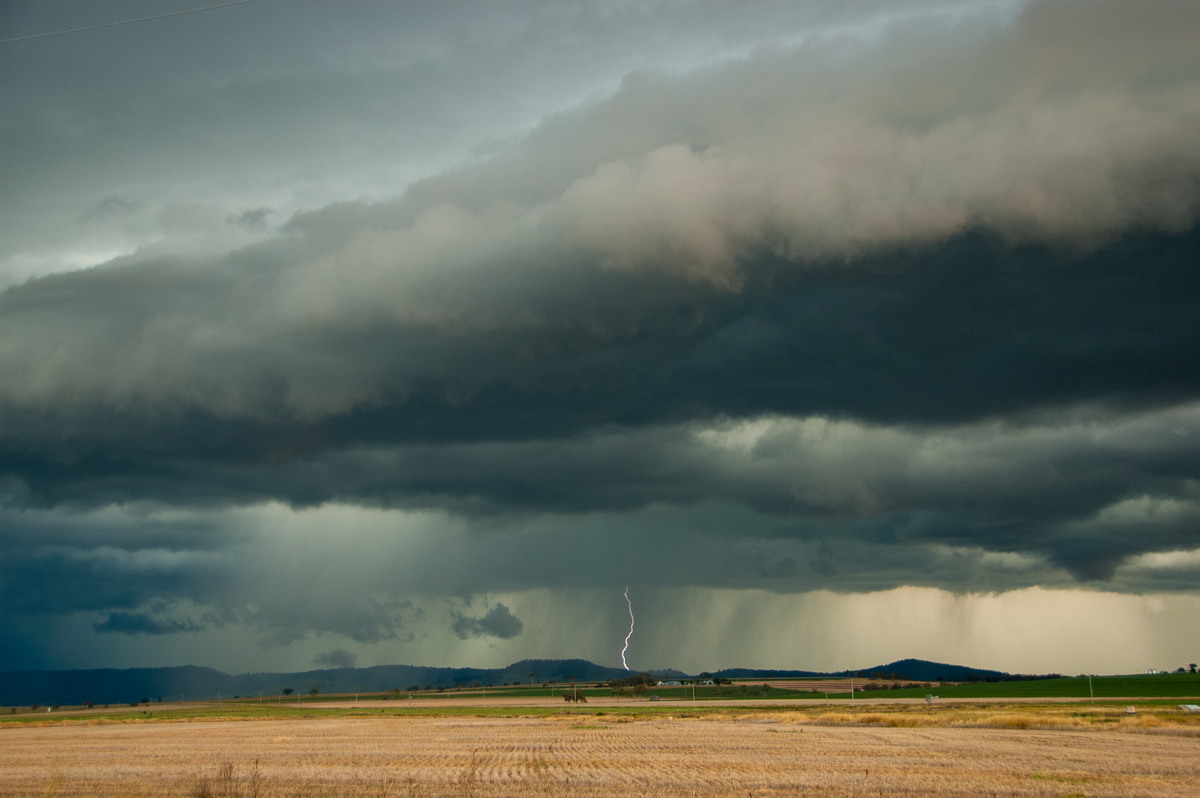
(35, 707)
(531, 677)
(1192, 667)
(287, 691)
(313, 691)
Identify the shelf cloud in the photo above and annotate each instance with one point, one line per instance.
(827, 303)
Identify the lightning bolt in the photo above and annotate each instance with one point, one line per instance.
(626, 648)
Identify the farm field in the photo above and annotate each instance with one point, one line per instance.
(1057, 750)
(1166, 685)
(1184, 685)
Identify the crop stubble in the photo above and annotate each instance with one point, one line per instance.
(585, 756)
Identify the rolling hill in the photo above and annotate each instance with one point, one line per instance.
(189, 682)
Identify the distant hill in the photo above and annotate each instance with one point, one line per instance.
(917, 670)
(111, 686)
(920, 670)
(760, 673)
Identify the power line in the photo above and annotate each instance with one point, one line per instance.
(126, 21)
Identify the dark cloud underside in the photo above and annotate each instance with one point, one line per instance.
(497, 622)
(968, 331)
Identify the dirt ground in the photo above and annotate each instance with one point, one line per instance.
(586, 755)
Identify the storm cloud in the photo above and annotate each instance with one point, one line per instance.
(497, 622)
(854, 302)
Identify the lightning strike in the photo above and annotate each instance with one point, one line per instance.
(631, 622)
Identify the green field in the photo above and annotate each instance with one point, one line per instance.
(1173, 685)
(1164, 688)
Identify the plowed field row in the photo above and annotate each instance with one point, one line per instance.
(584, 756)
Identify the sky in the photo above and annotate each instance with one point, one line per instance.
(417, 333)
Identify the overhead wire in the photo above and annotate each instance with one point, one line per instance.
(126, 21)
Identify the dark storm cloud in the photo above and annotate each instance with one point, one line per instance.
(338, 658)
(908, 309)
(965, 333)
(498, 622)
(193, 117)
(253, 219)
(662, 244)
(188, 577)
(136, 623)
(89, 576)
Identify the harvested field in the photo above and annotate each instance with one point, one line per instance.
(586, 755)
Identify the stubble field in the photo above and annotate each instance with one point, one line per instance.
(667, 754)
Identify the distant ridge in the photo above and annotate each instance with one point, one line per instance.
(917, 670)
(194, 683)
(189, 682)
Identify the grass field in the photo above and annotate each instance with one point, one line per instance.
(1135, 686)
(810, 748)
(1182, 685)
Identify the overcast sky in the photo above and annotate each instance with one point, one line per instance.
(397, 332)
